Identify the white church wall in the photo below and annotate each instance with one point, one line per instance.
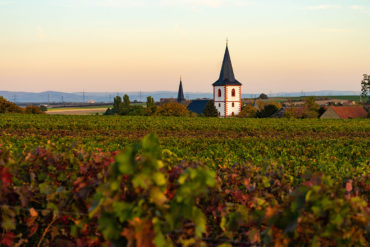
(220, 106)
(229, 93)
(217, 98)
(233, 107)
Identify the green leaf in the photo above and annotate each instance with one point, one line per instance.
(159, 179)
(45, 188)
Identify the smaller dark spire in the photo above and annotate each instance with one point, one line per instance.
(180, 95)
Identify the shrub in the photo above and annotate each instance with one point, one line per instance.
(248, 111)
(172, 109)
(310, 108)
(267, 111)
(33, 110)
(9, 107)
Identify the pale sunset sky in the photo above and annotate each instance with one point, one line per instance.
(132, 45)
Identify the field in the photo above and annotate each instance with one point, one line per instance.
(77, 110)
(73, 180)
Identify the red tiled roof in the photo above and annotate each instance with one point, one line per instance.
(346, 112)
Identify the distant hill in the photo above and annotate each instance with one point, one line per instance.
(57, 97)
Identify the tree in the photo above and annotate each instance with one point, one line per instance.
(109, 111)
(310, 108)
(117, 105)
(267, 111)
(172, 109)
(126, 101)
(9, 107)
(150, 106)
(263, 96)
(210, 110)
(43, 108)
(365, 86)
(33, 110)
(248, 111)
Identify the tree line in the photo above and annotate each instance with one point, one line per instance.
(123, 106)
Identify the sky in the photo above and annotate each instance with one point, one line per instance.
(125, 45)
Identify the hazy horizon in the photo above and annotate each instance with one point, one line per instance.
(123, 45)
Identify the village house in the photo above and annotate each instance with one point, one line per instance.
(344, 112)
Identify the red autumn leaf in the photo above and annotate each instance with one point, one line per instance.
(33, 230)
(8, 239)
(5, 177)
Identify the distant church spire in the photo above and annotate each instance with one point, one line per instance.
(180, 95)
(227, 73)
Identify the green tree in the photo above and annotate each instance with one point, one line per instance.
(263, 96)
(267, 111)
(365, 86)
(248, 111)
(172, 109)
(43, 108)
(126, 101)
(210, 110)
(310, 108)
(150, 106)
(117, 105)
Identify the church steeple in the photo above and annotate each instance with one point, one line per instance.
(180, 95)
(227, 74)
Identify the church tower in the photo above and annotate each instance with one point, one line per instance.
(180, 94)
(227, 90)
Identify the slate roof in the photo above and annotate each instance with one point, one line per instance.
(227, 74)
(198, 106)
(348, 112)
(180, 95)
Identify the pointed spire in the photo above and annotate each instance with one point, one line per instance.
(180, 95)
(227, 74)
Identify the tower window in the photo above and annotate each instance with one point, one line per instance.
(219, 105)
(233, 92)
(233, 104)
(219, 92)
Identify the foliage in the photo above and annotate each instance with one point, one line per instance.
(33, 110)
(210, 110)
(172, 109)
(124, 108)
(148, 201)
(43, 108)
(267, 111)
(292, 112)
(310, 108)
(150, 106)
(117, 105)
(277, 181)
(147, 196)
(9, 107)
(263, 96)
(365, 86)
(126, 102)
(248, 111)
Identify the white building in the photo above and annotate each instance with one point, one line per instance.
(227, 90)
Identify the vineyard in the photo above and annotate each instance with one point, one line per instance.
(167, 181)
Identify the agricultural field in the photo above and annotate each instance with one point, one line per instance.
(77, 110)
(144, 181)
